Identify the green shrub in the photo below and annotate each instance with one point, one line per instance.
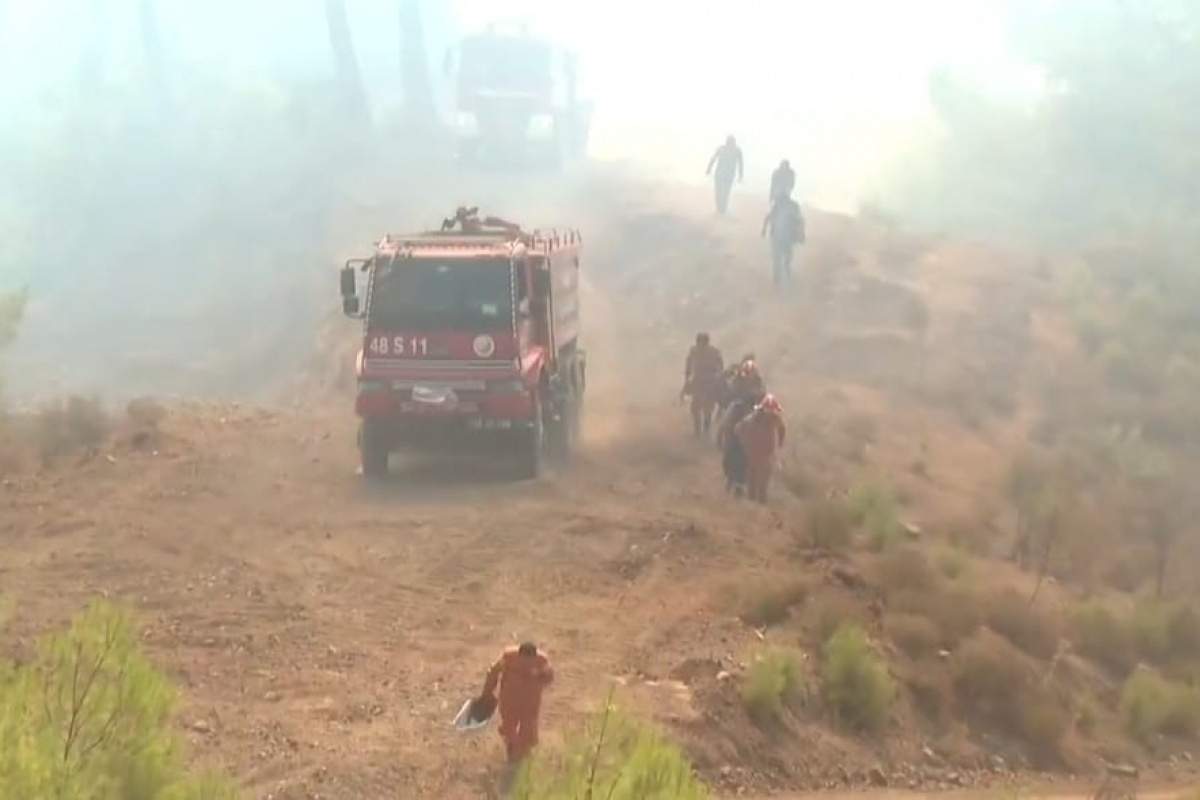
(615, 758)
(854, 681)
(874, 507)
(1166, 632)
(1030, 628)
(829, 525)
(830, 611)
(1104, 637)
(102, 736)
(766, 604)
(771, 682)
(916, 635)
(1152, 705)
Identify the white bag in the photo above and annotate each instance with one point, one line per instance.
(465, 722)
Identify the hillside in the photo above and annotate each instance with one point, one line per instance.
(323, 631)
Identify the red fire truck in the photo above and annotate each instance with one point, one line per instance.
(470, 341)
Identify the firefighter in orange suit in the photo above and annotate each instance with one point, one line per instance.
(761, 434)
(521, 673)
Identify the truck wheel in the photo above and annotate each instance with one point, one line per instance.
(532, 445)
(374, 449)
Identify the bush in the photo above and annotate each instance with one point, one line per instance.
(995, 681)
(915, 635)
(874, 506)
(1029, 628)
(615, 758)
(771, 682)
(906, 569)
(829, 525)
(64, 427)
(765, 604)
(955, 612)
(1166, 632)
(105, 736)
(988, 673)
(1104, 637)
(952, 563)
(1151, 705)
(830, 611)
(854, 681)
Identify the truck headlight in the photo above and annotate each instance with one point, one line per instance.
(541, 126)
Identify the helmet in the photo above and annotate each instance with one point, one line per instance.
(770, 404)
(747, 370)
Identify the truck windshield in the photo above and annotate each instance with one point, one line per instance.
(442, 295)
(505, 64)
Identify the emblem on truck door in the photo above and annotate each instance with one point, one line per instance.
(484, 346)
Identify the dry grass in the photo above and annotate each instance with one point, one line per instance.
(762, 604)
(954, 611)
(917, 636)
(1029, 627)
(830, 526)
(907, 569)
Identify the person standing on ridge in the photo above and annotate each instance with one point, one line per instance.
(728, 162)
(521, 673)
(783, 181)
(702, 380)
(785, 223)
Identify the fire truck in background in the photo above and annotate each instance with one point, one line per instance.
(517, 100)
(470, 341)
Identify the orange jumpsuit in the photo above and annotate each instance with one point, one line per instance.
(522, 679)
(761, 434)
(702, 376)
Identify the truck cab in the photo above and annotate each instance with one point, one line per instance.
(470, 342)
(517, 99)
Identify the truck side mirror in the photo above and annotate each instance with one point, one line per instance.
(349, 289)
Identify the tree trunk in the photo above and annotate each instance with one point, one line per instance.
(350, 85)
(414, 67)
(153, 52)
(95, 31)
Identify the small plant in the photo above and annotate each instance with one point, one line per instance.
(1026, 626)
(917, 636)
(613, 758)
(772, 681)
(1152, 705)
(874, 507)
(90, 713)
(764, 604)
(1104, 637)
(829, 525)
(854, 681)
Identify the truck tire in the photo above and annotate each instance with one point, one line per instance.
(374, 449)
(532, 445)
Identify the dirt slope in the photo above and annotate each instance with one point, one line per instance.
(324, 632)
